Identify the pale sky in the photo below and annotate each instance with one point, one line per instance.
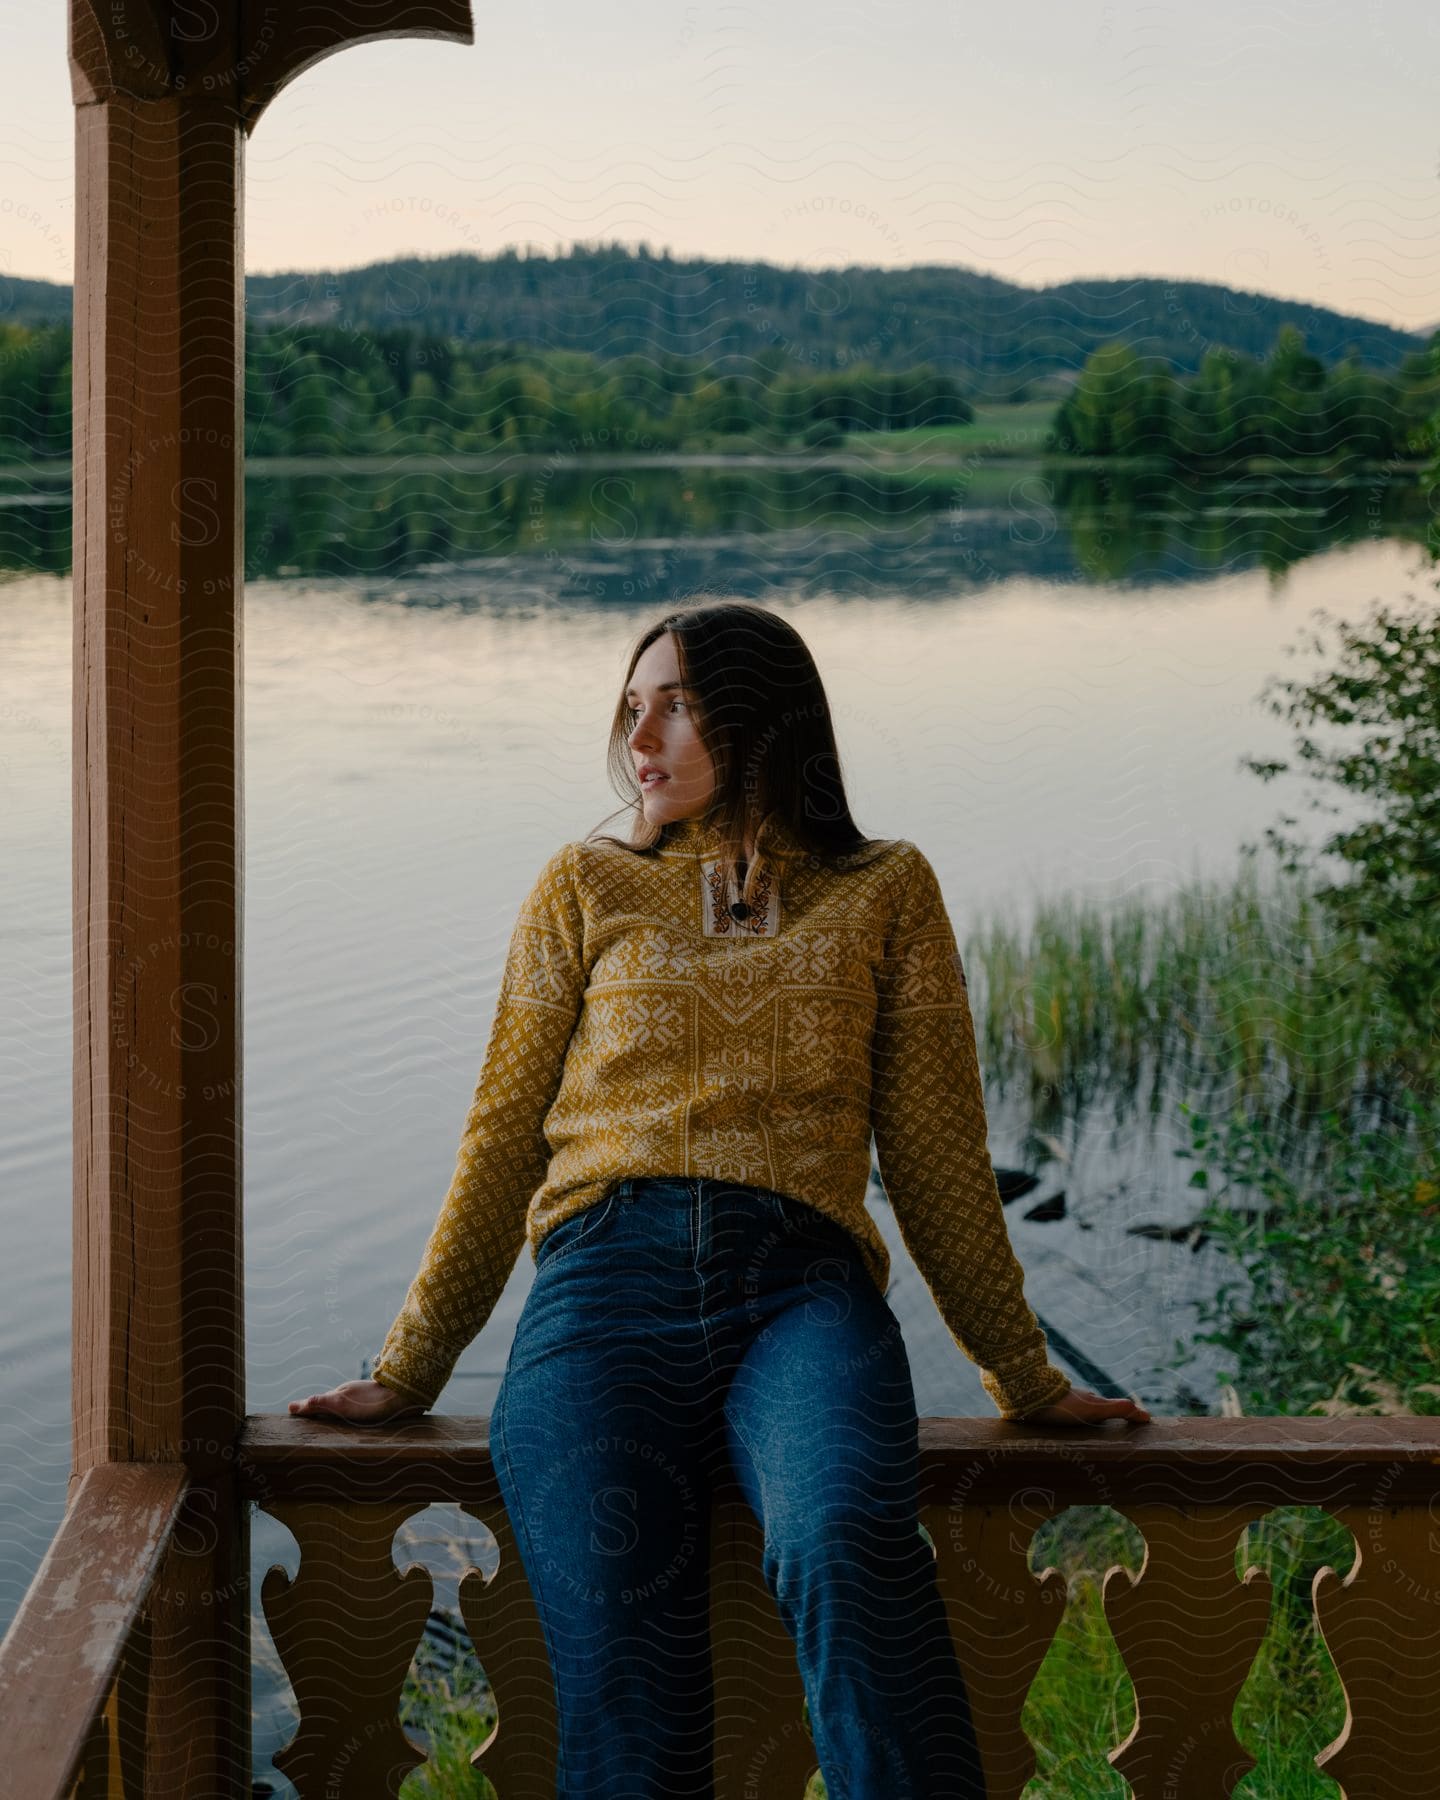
(1290, 150)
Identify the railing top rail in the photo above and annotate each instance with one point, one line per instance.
(59, 1657)
(964, 1461)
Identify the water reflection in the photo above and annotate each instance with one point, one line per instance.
(617, 531)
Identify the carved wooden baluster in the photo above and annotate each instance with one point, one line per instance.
(1003, 1619)
(762, 1745)
(346, 1629)
(1189, 1630)
(518, 1757)
(1380, 1626)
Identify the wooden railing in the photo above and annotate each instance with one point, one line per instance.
(73, 1667)
(1188, 1627)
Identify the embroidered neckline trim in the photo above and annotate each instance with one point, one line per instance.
(721, 899)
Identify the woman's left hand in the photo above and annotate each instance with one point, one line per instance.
(1082, 1407)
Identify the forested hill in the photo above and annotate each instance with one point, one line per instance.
(995, 337)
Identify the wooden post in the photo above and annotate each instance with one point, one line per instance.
(166, 92)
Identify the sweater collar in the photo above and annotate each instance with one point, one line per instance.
(695, 837)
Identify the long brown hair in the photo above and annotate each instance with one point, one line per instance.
(762, 713)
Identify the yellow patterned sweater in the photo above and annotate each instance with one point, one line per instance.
(641, 1029)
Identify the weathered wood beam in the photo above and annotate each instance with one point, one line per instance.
(165, 94)
(60, 1657)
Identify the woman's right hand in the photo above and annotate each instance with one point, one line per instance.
(357, 1403)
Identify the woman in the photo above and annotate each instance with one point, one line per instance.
(698, 1030)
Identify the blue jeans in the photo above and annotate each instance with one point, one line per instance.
(680, 1325)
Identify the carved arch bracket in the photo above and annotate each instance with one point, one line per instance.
(235, 56)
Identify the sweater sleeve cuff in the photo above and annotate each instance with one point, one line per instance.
(414, 1366)
(1019, 1392)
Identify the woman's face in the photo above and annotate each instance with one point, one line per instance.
(664, 736)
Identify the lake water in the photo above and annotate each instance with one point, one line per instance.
(1047, 690)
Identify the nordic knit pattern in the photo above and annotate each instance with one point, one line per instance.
(636, 1034)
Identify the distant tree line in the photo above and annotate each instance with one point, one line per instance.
(320, 390)
(1000, 341)
(1289, 407)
